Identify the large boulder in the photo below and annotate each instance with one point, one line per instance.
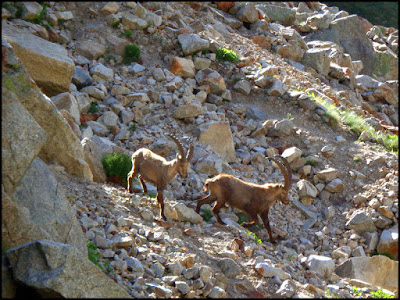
(219, 136)
(61, 146)
(285, 16)
(389, 242)
(57, 269)
(377, 270)
(32, 212)
(192, 43)
(211, 78)
(388, 65)
(93, 157)
(349, 34)
(37, 54)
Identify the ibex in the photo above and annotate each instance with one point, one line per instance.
(156, 170)
(254, 199)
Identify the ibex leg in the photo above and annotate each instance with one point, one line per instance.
(206, 199)
(264, 217)
(160, 200)
(132, 174)
(143, 184)
(254, 222)
(218, 205)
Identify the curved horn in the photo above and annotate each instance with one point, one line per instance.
(190, 153)
(288, 169)
(287, 179)
(179, 145)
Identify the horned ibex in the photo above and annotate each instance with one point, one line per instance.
(254, 199)
(156, 170)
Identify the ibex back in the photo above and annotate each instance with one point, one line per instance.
(254, 199)
(155, 169)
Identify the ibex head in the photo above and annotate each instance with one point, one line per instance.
(287, 175)
(182, 158)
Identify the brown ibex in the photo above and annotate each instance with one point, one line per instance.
(156, 170)
(254, 199)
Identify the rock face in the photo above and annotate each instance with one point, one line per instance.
(61, 270)
(62, 146)
(219, 136)
(377, 270)
(31, 212)
(349, 34)
(35, 53)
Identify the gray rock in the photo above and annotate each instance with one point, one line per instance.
(317, 59)
(36, 54)
(109, 119)
(192, 42)
(377, 270)
(102, 72)
(68, 102)
(389, 242)
(243, 86)
(219, 136)
(182, 287)
(54, 268)
(135, 266)
(217, 292)
(158, 269)
(98, 128)
(335, 186)
(93, 157)
(306, 189)
(229, 267)
(93, 92)
(282, 128)
(90, 49)
(267, 270)
(212, 78)
(321, 265)
(247, 13)
(361, 222)
(81, 77)
(30, 10)
(349, 34)
(188, 111)
(283, 15)
(287, 289)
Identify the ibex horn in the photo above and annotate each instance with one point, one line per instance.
(287, 179)
(289, 171)
(179, 145)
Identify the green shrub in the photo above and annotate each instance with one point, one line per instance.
(93, 254)
(207, 214)
(117, 164)
(93, 108)
(380, 294)
(257, 240)
(132, 127)
(132, 53)
(224, 54)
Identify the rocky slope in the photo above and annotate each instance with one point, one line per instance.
(344, 206)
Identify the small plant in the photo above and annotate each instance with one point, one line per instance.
(93, 108)
(117, 165)
(311, 163)
(207, 214)
(224, 54)
(356, 292)
(289, 117)
(257, 240)
(242, 218)
(132, 53)
(380, 294)
(126, 33)
(132, 127)
(93, 254)
(151, 195)
(357, 159)
(116, 24)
